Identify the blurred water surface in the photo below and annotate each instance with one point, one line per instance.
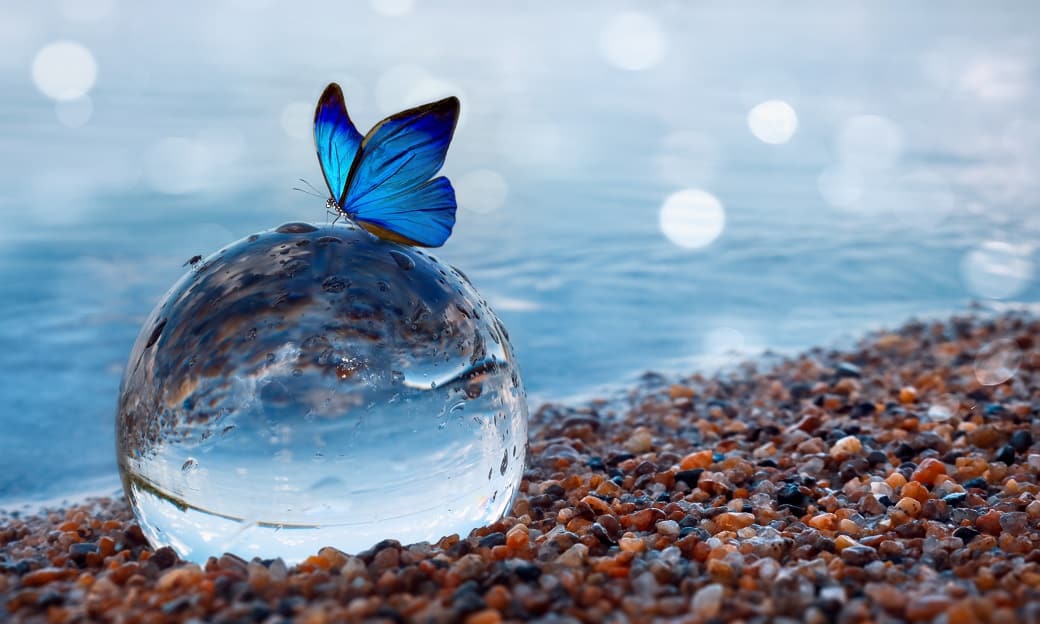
(642, 186)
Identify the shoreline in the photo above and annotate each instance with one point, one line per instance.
(884, 480)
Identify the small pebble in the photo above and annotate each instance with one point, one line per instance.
(849, 445)
(668, 527)
(707, 601)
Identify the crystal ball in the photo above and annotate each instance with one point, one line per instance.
(315, 386)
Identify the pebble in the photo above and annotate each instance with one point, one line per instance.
(707, 602)
(859, 555)
(668, 527)
(574, 556)
(928, 471)
(849, 445)
(732, 521)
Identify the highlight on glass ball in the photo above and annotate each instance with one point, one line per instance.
(328, 385)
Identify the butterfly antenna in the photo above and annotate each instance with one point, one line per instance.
(311, 187)
(306, 192)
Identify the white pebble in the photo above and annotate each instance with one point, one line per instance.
(707, 602)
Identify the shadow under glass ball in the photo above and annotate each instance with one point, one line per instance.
(316, 386)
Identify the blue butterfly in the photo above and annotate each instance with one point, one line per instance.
(382, 181)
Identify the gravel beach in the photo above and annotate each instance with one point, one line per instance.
(895, 481)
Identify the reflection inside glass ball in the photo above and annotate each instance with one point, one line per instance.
(316, 386)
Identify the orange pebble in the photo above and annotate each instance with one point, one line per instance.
(487, 616)
(500, 552)
(916, 491)
(895, 481)
(907, 394)
(909, 506)
(597, 505)
(824, 521)
(517, 537)
(106, 546)
(929, 470)
(317, 562)
(732, 521)
(497, 597)
(700, 459)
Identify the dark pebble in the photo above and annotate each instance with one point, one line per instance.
(467, 598)
(876, 458)
(260, 611)
(617, 458)
(768, 463)
(1021, 440)
(50, 599)
(966, 534)
(555, 491)
(994, 409)
(288, 606)
(847, 369)
(689, 477)
(78, 552)
(20, 567)
(492, 539)
(977, 483)
(790, 496)
(1006, 454)
(527, 572)
(164, 557)
(601, 533)
(863, 409)
(596, 463)
(800, 390)
(956, 499)
(904, 452)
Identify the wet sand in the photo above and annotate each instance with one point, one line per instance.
(894, 481)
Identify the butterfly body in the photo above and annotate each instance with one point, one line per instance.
(382, 181)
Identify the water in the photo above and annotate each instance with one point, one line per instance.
(908, 186)
(314, 386)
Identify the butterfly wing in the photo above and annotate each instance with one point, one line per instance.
(336, 140)
(390, 189)
(423, 216)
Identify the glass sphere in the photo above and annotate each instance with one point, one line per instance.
(316, 386)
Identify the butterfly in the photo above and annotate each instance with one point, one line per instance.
(382, 181)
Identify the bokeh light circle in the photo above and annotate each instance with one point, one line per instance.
(773, 121)
(632, 41)
(996, 269)
(64, 70)
(481, 191)
(692, 218)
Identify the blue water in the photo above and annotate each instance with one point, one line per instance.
(196, 130)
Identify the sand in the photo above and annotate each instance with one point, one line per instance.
(894, 481)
